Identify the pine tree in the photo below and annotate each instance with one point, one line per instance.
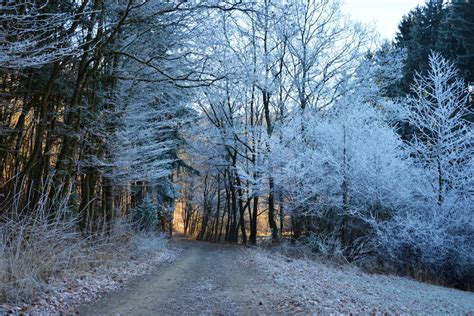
(457, 37)
(418, 35)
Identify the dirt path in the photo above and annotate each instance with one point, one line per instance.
(206, 279)
(210, 279)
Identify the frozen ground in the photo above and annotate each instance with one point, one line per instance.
(312, 287)
(221, 280)
(114, 270)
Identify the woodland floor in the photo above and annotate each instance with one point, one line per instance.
(215, 279)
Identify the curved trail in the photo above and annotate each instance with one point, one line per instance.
(205, 279)
(210, 279)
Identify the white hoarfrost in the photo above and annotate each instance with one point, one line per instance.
(436, 229)
(311, 287)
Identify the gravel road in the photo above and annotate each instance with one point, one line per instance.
(210, 279)
(205, 279)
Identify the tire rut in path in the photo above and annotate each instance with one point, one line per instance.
(205, 279)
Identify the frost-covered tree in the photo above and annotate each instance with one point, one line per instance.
(435, 230)
(444, 137)
(145, 143)
(149, 104)
(276, 57)
(36, 33)
(323, 45)
(348, 172)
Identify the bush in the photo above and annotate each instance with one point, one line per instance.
(144, 216)
(36, 244)
(32, 249)
(438, 241)
(148, 244)
(327, 246)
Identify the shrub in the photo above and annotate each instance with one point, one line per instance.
(31, 250)
(438, 241)
(144, 216)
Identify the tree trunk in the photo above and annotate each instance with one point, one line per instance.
(253, 221)
(271, 212)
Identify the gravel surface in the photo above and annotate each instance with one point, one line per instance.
(209, 279)
(204, 279)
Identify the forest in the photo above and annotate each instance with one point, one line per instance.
(247, 122)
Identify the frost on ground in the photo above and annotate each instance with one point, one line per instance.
(65, 293)
(307, 286)
(212, 279)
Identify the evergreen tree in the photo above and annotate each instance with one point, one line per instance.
(418, 34)
(456, 40)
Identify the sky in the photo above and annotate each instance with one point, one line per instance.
(384, 14)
